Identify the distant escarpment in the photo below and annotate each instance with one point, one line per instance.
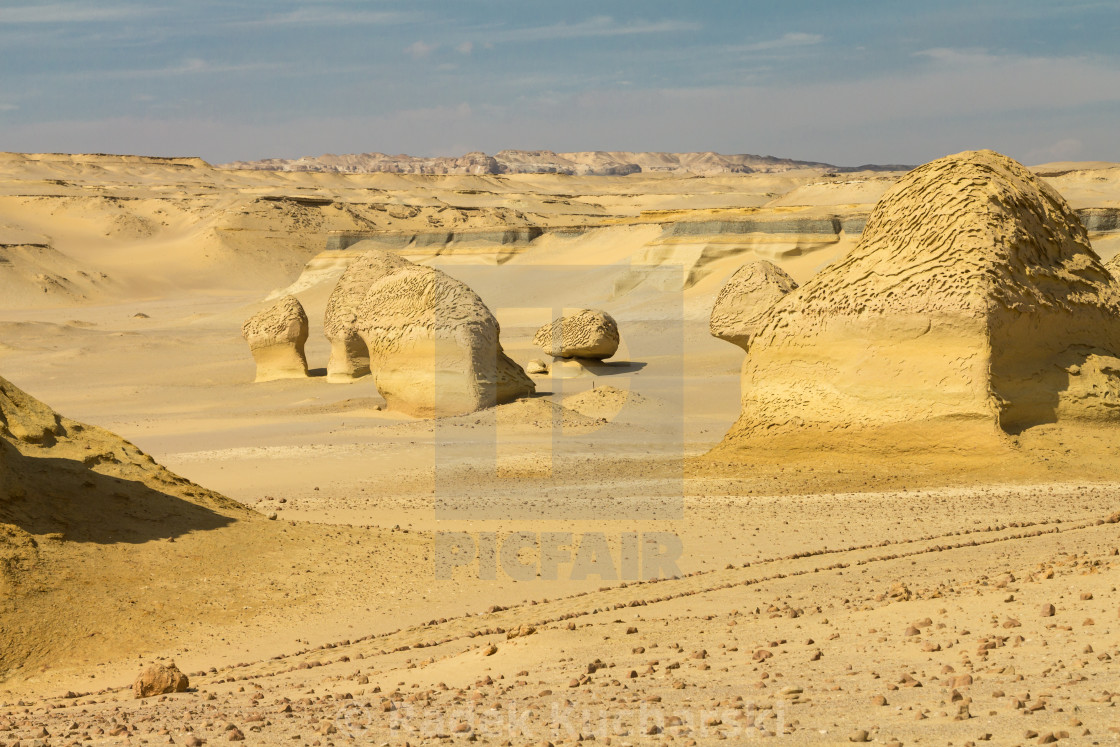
(586, 163)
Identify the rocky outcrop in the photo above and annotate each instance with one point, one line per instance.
(972, 301)
(159, 679)
(428, 340)
(588, 333)
(745, 299)
(276, 338)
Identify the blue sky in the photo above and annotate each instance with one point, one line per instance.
(844, 82)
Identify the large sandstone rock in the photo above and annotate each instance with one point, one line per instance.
(746, 298)
(276, 338)
(429, 341)
(158, 679)
(588, 333)
(972, 301)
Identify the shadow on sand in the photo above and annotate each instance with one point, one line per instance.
(44, 495)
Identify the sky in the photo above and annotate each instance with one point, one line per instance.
(839, 81)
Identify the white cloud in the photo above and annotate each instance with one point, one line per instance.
(8, 107)
(465, 48)
(418, 49)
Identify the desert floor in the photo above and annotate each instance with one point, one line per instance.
(893, 595)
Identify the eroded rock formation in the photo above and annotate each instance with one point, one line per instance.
(972, 301)
(588, 333)
(745, 299)
(429, 341)
(276, 338)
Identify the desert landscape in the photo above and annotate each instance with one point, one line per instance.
(631, 448)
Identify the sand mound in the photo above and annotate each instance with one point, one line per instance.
(431, 343)
(972, 300)
(588, 333)
(276, 338)
(746, 298)
(602, 401)
(35, 274)
(48, 460)
(64, 484)
(533, 413)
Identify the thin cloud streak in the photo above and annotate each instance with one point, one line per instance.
(187, 67)
(786, 41)
(70, 13)
(333, 17)
(598, 26)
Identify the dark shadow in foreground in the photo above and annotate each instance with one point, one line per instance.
(44, 495)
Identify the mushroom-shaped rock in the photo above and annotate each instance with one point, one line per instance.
(276, 338)
(746, 298)
(432, 344)
(588, 333)
(349, 355)
(158, 679)
(972, 305)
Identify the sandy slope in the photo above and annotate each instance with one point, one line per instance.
(351, 554)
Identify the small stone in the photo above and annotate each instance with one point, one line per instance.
(1048, 610)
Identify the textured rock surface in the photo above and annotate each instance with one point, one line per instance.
(276, 338)
(431, 344)
(158, 679)
(1113, 266)
(973, 299)
(588, 333)
(746, 298)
